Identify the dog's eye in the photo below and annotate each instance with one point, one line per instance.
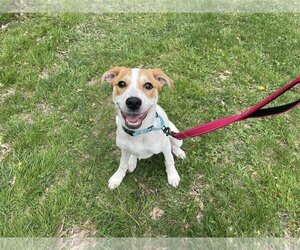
(148, 85)
(121, 84)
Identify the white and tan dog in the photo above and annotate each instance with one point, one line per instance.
(140, 120)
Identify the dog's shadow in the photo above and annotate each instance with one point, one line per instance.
(147, 168)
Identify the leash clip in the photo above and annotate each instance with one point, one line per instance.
(168, 131)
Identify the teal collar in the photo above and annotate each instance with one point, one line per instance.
(162, 127)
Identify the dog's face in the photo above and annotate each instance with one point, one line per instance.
(135, 92)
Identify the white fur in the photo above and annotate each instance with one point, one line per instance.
(134, 77)
(145, 145)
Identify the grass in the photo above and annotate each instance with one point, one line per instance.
(57, 126)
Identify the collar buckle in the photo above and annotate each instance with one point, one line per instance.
(166, 130)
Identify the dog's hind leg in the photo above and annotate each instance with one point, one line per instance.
(176, 144)
(132, 163)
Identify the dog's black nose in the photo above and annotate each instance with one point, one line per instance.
(133, 103)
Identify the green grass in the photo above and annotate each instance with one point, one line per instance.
(57, 125)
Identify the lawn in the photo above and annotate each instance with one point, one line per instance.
(57, 129)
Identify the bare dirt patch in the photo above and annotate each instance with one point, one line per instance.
(44, 74)
(157, 213)
(44, 108)
(225, 74)
(6, 94)
(77, 237)
(84, 231)
(195, 192)
(5, 148)
(27, 118)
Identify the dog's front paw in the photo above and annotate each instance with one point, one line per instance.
(115, 181)
(173, 179)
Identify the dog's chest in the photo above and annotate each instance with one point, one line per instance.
(143, 146)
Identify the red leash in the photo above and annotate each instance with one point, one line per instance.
(254, 112)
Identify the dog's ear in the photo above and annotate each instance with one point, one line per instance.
(110, 74)
(162, 78)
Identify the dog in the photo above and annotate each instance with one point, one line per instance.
(141, 121)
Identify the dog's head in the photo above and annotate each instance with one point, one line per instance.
(135, 92)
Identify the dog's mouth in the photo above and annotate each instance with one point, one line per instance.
(133, 120)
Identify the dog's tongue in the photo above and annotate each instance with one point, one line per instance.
(134, 121)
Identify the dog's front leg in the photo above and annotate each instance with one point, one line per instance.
(118, 176)
(173, 176)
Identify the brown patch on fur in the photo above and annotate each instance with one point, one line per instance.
(157, 78)
(162, 78)
(111, 74)
(145, 77)
(154, 76)
(124, 76)
(114, 76)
